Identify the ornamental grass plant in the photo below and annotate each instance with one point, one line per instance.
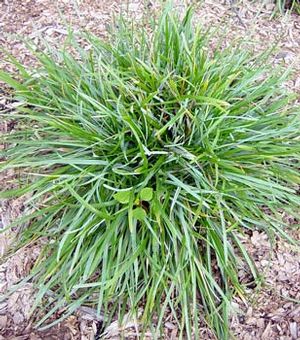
(147, 157)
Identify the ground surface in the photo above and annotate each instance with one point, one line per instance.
(272, 310)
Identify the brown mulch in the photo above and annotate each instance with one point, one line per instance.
(272, 310)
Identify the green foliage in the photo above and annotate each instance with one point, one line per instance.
(146, 194)
(123, 196)
(293, 5)
(146, 158)
(139, 213)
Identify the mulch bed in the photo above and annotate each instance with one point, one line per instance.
(272, 310)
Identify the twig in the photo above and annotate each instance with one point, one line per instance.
(232, 7)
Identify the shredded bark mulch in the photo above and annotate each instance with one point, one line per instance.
(272, 310)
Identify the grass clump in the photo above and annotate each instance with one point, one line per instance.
(147, 158)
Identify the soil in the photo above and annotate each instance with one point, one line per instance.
(270, 310)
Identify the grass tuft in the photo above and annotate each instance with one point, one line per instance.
(147, 157)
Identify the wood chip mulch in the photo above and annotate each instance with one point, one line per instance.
(272, 310)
